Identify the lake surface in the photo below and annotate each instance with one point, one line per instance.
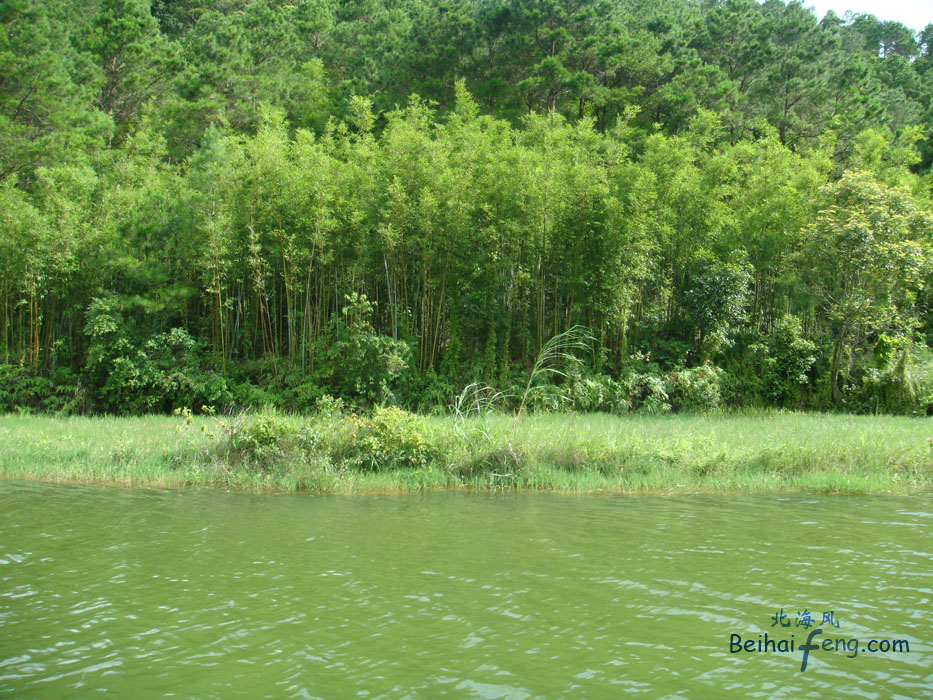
(202, 594)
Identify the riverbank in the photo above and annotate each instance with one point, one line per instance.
(397, 452)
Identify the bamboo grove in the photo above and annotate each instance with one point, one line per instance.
(395, 255)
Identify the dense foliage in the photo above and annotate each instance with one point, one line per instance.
(222, 204)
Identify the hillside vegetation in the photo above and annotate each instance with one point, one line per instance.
(218, 205)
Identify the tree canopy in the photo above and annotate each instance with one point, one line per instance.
(236, 203)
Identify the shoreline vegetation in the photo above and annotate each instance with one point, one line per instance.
(392, 451)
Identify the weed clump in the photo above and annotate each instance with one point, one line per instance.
(268, 441)
(389, 439)
(261, 442)
(502, 462)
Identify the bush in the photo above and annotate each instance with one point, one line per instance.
(595, 392)
(390, 439)
(268, 440)
(501, 465)
(21, 388)
(298, 392)
(354, 362)
(262, 441)
(715, 299)
(430, 393)
(176, 377)
(165, 373)
(902, 384)
(696, 389)
(783, 362)
(646, 391)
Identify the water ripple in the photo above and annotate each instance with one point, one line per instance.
(151, 593)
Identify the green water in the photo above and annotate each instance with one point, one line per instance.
(200, 594)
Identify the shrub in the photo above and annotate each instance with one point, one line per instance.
(299, 391)
(901, 384)
(354, 362)
(21, 388)
(390, 439)
(715, 298)
(175, 377)
(695, 389)
(115, 370)
(163, 373)
(262, 441)
(595, 392)
(786, 359)
(329, 407)
(646, 391)
(266, 441)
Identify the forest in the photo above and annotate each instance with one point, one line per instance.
(219, 205)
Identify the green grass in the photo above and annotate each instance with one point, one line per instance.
(761, 452)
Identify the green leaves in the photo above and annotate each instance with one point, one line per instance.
(651, 171)
(132, 58)
(868, 255)
(45, 115)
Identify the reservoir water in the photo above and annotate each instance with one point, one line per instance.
(203, 594)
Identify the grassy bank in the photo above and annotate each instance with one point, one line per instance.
(393, 451)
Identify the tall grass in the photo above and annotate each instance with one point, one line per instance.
(765, 451)
(556, 351)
